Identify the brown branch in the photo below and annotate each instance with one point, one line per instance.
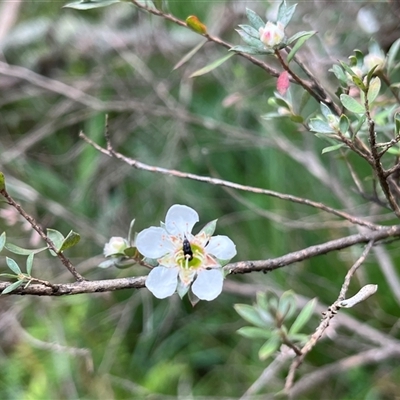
(40, 231)
(220, 182)
(327, 316)
(380, 173)
(240, 267)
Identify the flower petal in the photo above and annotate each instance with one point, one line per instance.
(180, 220)
(208, 284)
(153, 242)
(162, 282)
(221, 247)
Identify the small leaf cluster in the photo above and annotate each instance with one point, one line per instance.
(250, 34)
(270, 315)
(60, 242)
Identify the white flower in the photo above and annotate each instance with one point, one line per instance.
(185, 260)
(115, 246)
(272, 35)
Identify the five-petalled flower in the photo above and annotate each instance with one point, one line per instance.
(185, 260)
(272, 35)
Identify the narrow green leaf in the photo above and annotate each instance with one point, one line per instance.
(344, 124)
(304, 316)
(397, 122)
(287, 304)
(2, 181)
(90, 4)
(13, 266)
(255, 20)
(21, 251)
(12, 287)
(57, 238)
(348, 69)
(252, 332)
(209, 228)
(250, 50)
(317, 125)
(352, 104)
(332, 148)
(108, 263)
(2, 240)
(250, 31)
(285, 13)
(269, 347)
(391, 56)
(298, 44)
(71, 240)
(373, 89)
(189, 55)
(339, 73)
(326, 111)
(249, 314)
(9, 276)
(210, 67)
(29, 264)
(250, 40)
(299, 35)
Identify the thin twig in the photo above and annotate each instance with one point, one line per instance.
(42, 234)
(237, 186)
(240, 267)
(328, 315)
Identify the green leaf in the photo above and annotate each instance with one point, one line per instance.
(2, 240)
(391, 56)
(71, 240)
(352, 104)
(90, 4)
(189, 55)
(304, 316)
(339, 73)
(2, 181)
(12, 287)
(285, 13)
(299, 43)
(249, 314)
(348, 69)
(344, 123)
(255, 20)
(397, 123)
(269, 347)
(250, 50)
(326, 111)
(210, 67)
(287, 304)
(250, 40)
(252, 332)
(21, 251)
(29, 264)
(13, 266)
(250, 31)
(332, 148)
(299, 35)
(373, 89)
(209, 228)
(108, 263)
(317, 125)
(9, 275)
(57, 238)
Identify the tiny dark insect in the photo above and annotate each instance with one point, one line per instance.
(187, 250)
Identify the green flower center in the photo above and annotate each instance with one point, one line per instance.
(191, 256)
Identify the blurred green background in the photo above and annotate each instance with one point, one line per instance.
(128, 344)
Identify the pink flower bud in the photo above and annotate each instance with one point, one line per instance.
(272, 35)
